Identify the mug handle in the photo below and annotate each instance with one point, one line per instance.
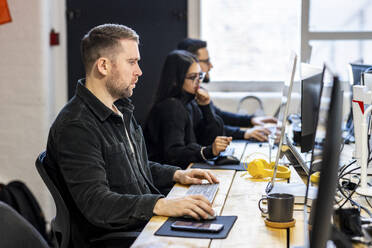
(264, 211)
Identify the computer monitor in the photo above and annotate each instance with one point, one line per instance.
(323, 208)
(355, 72)
(311, 91)
(301, 191)
(283, 113)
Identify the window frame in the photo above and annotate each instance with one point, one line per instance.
(194, 12)
(307, 35)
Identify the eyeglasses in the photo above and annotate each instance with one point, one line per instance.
(196, 76)
(207, 61)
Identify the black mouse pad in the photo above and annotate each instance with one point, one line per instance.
(227, 221)
(211, 166)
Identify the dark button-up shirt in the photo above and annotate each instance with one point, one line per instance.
(105, 183)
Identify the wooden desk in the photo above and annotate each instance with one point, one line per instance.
(147, 237)
(237, 195)
(249, 229)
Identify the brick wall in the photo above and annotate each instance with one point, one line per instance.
(31, 91)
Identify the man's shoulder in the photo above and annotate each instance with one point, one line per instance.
(75, 111)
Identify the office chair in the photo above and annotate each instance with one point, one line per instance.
(16, 231)
(247, 101)
(61, 223)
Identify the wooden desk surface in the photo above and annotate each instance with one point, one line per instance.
(249, 230)
(237, 195)
(147, 237)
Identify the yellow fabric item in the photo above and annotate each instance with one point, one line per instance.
(260, 168)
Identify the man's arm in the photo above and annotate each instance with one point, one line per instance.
(196, 206)
(234, 132)
(81, 163)
(162, 174)
(233, 119)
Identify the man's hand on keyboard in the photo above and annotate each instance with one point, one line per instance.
(259, 133)
(262, 120)
(193, 176)
(196, 206)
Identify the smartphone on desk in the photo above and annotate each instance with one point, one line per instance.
(196, 226)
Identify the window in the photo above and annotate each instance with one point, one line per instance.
(340, 15)
(249, 40)
(337, 54)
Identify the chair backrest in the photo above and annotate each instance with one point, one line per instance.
(61, 223)
(16, 231)
(252, 103)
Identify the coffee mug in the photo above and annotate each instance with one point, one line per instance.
(279, 207)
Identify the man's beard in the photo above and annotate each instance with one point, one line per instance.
(112, 85)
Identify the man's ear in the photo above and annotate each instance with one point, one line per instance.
(103, 66)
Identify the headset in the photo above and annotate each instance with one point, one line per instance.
(260, 168)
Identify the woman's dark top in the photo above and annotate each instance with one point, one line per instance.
(170, 136)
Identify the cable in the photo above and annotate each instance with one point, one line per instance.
(349, 172)
(342, 169)
(348, 198)
(369, 204)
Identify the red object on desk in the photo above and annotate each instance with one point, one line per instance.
(4, 12)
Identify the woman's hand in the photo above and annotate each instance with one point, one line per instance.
(202, 97)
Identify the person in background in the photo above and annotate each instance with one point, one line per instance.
(96, 152)
(170, 128)
(232, 121)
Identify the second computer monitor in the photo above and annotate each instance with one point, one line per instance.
(355, 72)
(312, 86)
(283, 113)
(328, 176)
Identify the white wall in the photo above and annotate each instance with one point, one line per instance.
(32, 89)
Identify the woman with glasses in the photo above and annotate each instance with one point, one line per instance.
(170, 128)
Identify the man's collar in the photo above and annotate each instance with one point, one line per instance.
(98, 108)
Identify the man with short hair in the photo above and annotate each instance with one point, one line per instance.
(97, 153)
(232, 121)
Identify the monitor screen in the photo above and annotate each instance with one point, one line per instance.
(322, 117)
(329, 170)
(312, 86)
(355, 72)
(283, 112)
